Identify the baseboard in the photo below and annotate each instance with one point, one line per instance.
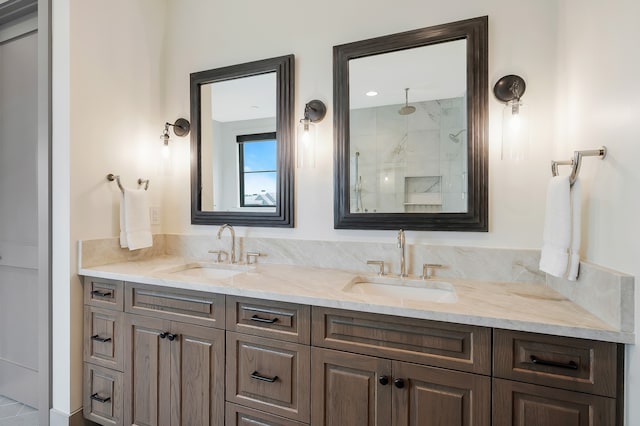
(57, 418)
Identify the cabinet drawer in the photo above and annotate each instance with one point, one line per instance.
(279, 320)
(103, 337)
(523, 404)
(103, 398)
(104, 293)
(194, 307)
(455, 346)
(563, 362)
(238, 415)
(268, 375)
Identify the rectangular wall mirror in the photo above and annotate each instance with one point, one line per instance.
(241, 144)
(410, 130)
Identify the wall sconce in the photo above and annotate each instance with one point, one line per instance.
(181, 128)
(307, 136)
(515, 127)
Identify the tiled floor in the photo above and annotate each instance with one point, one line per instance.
(13, 413)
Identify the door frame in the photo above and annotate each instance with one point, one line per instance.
(17, 19)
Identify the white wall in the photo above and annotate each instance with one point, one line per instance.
(599, 105)
(108, 100)
(124, 86)
(231, 32)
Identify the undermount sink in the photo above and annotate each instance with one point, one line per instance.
(214, 271)
(403, 289)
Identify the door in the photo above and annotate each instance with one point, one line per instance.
(19, 292)
(197, 377)
(349, 389)
(523, 404)
(148, 370)
(430, 396)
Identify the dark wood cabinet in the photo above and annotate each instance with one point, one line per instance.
(174, 373)
(524, 404)
(352, 389)
(542, 380)
(431, 396)
(163, 356)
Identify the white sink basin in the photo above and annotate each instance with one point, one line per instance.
(214, 271)
(403, 289)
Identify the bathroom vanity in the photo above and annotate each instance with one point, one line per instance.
(172, 342)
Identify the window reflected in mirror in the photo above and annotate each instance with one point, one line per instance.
(239, 144)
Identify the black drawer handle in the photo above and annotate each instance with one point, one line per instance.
(268, 321)
(383, 380)
(570, 365)
(399, 383)
(257, 376)
(100, 293)
(98, 398)
(97, 338)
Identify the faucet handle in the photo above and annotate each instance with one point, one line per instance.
(380, 263)
(219, 254)
(253, 255)
(427, 270)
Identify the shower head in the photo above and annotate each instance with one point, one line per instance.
(454, 136)
(406, 109)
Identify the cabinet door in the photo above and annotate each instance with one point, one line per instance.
(197, 375)
(523, 404)
(429, 396)
(349, 389)
(147, 369)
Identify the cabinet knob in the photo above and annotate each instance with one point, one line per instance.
(171, 337)
(163, 335)
(399, 383)
(383, 380)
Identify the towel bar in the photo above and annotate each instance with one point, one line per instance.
(111, 177)
(576, 161)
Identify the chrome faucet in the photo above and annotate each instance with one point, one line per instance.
(401, 246)
(232, 258)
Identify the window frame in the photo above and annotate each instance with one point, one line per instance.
(253, 138)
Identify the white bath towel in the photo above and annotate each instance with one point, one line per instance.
(135, 226)
(576, 224)
(554, 258)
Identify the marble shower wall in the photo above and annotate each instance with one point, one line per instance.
(408, 163)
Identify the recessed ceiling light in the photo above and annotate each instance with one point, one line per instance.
(371, 93)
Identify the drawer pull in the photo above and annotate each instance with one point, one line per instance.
(571, 365)
(265, 320)
(97, 338)
(101, 293)
(98, 398)
(257, 376)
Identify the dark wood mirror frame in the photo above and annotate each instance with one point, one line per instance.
(475, 31)
(283, 215)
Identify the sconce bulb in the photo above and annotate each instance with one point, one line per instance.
(166, 151)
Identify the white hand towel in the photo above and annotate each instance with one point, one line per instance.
(554, 258)
(135, 226)
(576, 223)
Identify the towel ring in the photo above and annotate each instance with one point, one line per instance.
(111, 177)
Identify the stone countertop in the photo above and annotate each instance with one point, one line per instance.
(514, 306)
